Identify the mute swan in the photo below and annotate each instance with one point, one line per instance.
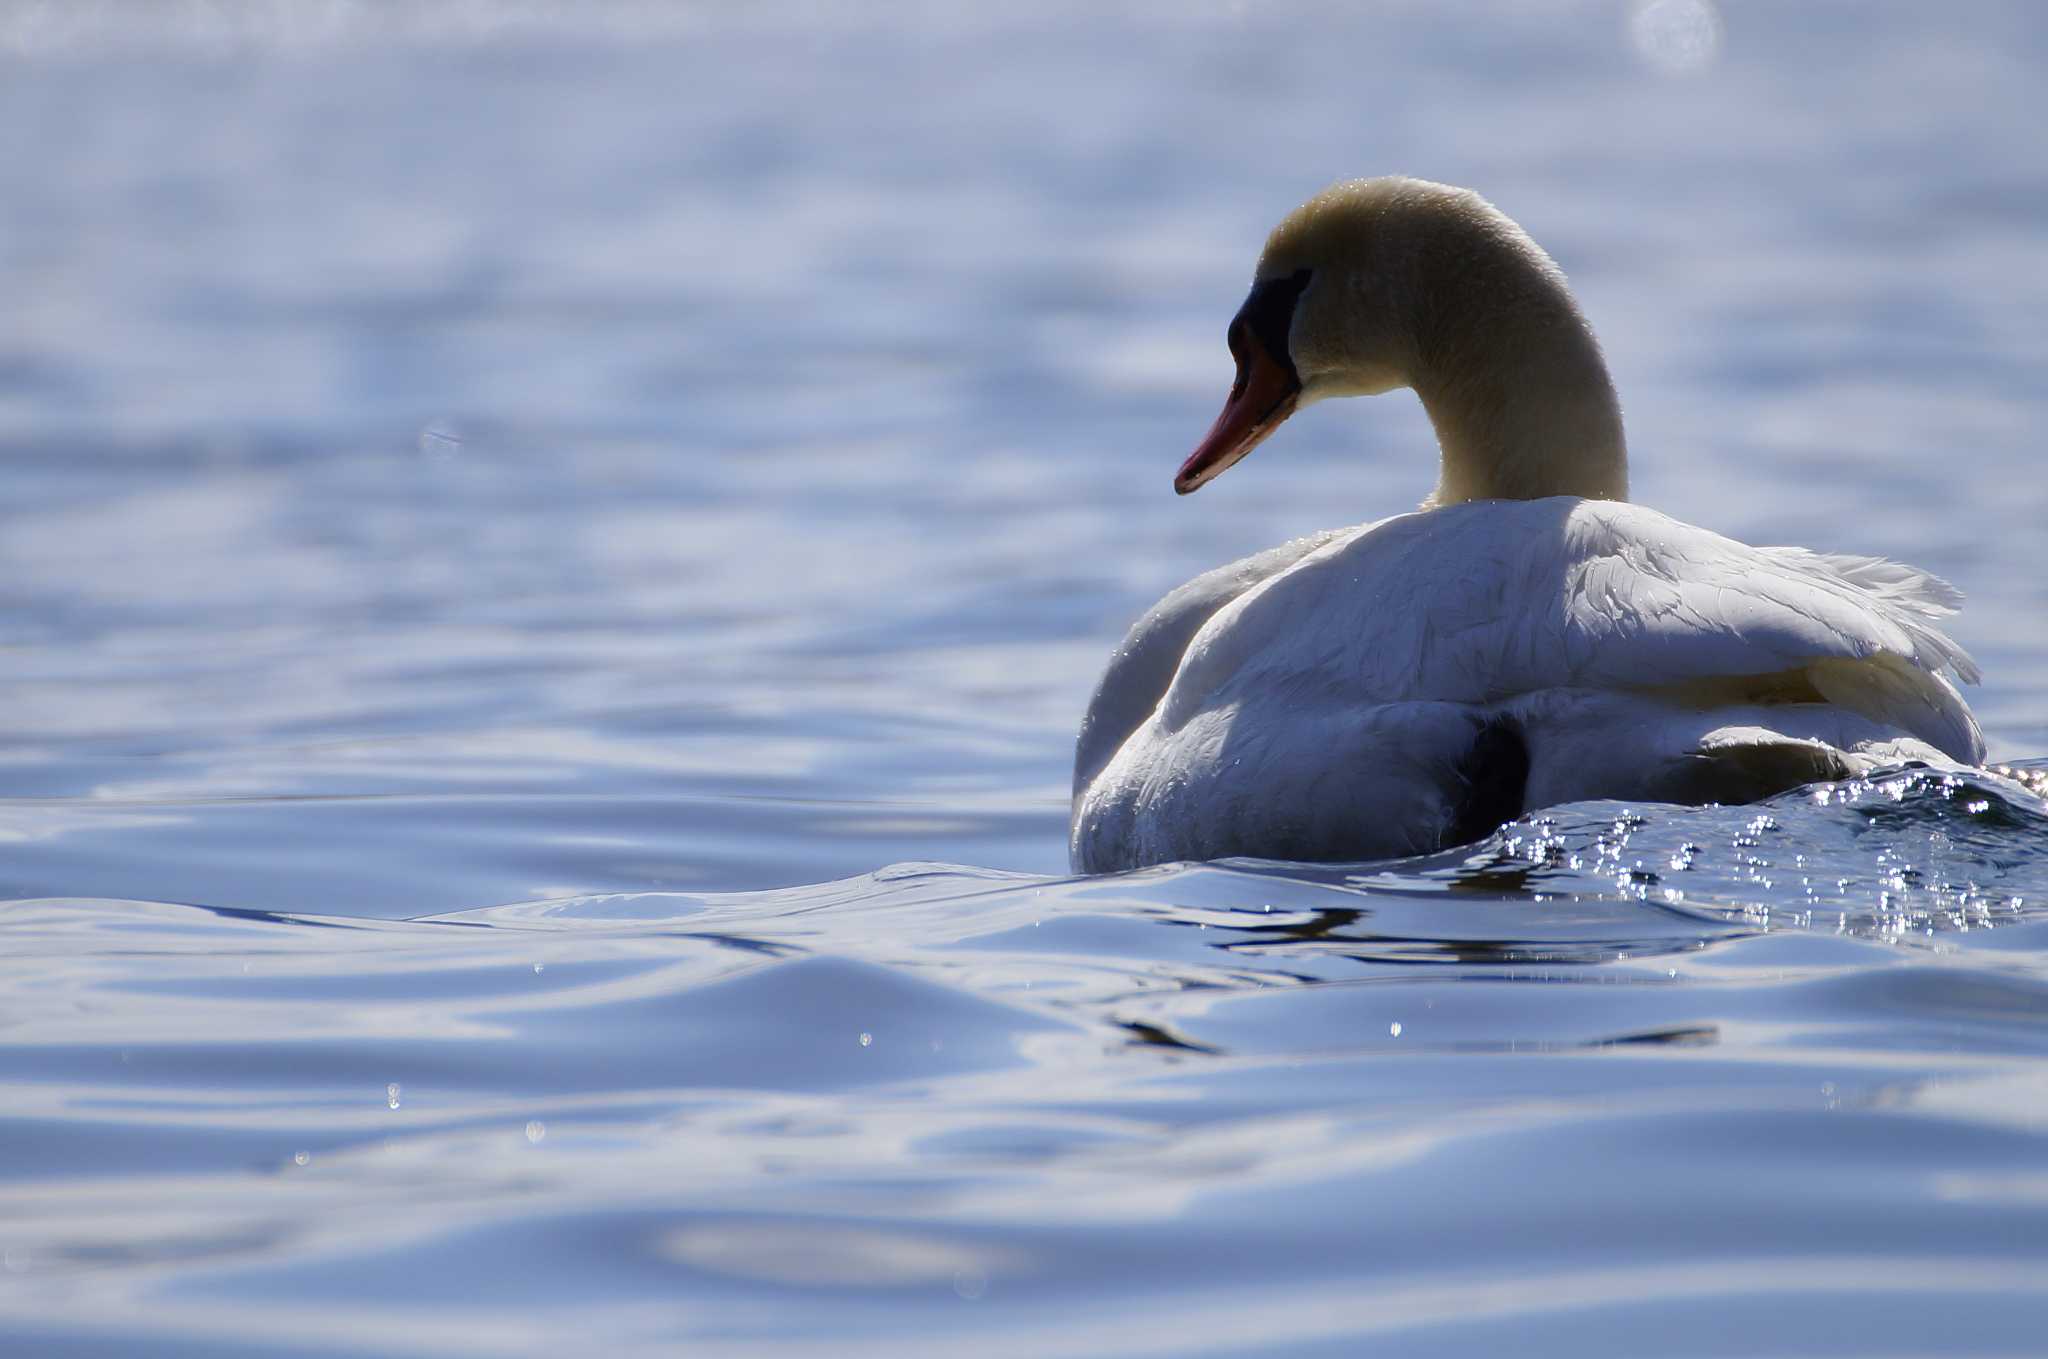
(1527, 637)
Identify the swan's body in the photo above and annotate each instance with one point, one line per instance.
(1526, 638)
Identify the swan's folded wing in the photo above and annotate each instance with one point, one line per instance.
(1485, 602)
(1645, 599)
(1648, 602)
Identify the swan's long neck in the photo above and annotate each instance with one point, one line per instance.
(1514, 383)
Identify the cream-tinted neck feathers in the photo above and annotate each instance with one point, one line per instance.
(1422, 285)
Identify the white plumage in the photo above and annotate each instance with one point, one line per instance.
(1392, 688)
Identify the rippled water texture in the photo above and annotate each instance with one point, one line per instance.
(538, 538)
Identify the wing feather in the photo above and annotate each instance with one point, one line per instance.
(1483, 602)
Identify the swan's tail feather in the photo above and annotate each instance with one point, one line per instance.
(1906, 595)
(1897, 584)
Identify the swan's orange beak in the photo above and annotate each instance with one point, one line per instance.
(1263, 395)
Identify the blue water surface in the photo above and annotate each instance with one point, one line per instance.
(552, 558)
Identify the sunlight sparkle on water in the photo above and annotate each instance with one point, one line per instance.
(1677, 37)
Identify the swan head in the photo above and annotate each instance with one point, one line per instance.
(1378, 284)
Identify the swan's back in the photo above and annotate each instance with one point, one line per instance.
(1329, 699)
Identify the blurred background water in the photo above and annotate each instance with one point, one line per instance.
(517, 516)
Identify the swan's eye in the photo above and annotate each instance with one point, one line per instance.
(1268, 316)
